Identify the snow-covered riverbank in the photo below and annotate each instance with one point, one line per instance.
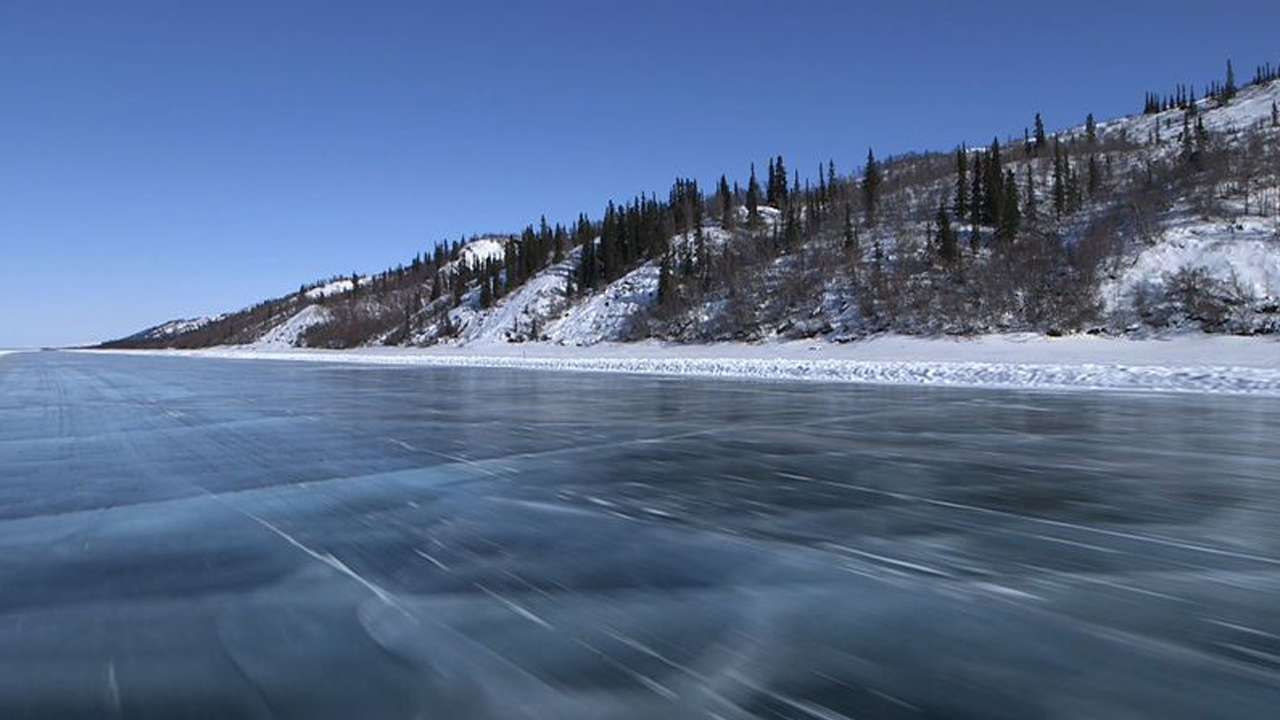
(1191, 363)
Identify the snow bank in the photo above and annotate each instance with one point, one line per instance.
(1199, 364)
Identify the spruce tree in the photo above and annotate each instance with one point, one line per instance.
(664, 279)
(771, 185)
(1075, 193)
(1041, 141)
(1059, 181)
(1031, 203)
(948, 247)
(1095, 177)
(976, 190)
(961, 204)
(871, 189)
(753, 198)
(1229, 90)
(1010, 216)
(993, 182)
(778, 189)
(1201, 143)
(562, 242)
(1090, 129)
(726, 204)
(850, 232)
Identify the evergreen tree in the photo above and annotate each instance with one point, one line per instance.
(976, 190)
(850, 232)
(871, 189)
(725, 200)
(1059, 180)
(961, 204)
(1010, 216)
(1275, 115)
(1075, 194)
(664, 279)
(1090, 129)
(753, 199)
(771, 185)
(993, 183)
(1229, 90)
(948, 247)
(1201, 142)
(1041, 141)
(1095, 177)
(778, 183)
(562, 242)
(1031, 203)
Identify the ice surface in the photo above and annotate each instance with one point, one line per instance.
(205, 538)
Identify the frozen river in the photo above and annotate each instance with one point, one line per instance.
(198, 538)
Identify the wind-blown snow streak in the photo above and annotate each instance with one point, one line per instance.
(1118, 376)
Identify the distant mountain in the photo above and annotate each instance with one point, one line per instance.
(1167, 220)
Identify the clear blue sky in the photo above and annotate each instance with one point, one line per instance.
(169, 159)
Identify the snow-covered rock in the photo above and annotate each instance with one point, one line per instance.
(475, 253)
(523, 314)
(288, 333)
(333, 287)
(1238, 260)
(611, 313)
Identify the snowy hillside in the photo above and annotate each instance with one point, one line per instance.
(1161, 222)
